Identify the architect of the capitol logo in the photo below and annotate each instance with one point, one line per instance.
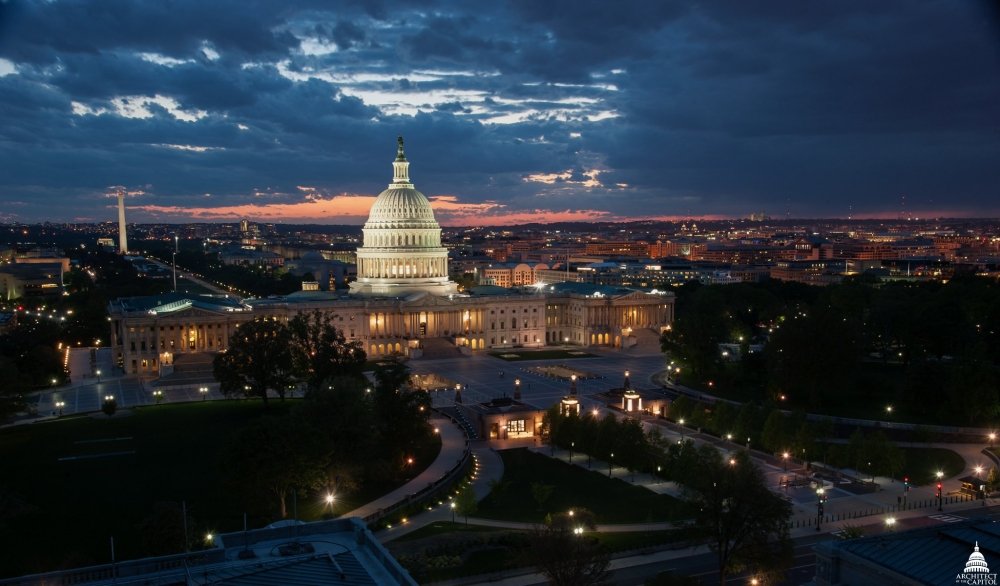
(976, 572)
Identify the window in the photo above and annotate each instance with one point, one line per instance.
(515, 426)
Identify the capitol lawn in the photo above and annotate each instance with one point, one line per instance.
(73, 483)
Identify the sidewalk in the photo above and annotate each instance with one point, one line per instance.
(453, 447)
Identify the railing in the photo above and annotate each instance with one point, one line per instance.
(882, 510)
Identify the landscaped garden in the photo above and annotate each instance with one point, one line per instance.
(517, 355)
(534, 485)
(534, 488)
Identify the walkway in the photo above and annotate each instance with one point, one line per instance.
(453, 446)
(489, 469)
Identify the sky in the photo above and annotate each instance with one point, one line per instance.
(512, 112)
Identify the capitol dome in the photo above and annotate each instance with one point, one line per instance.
(401, 251)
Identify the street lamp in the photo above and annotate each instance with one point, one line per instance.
(681, 422)
(98, 375)
(890, 523)
(453, 511)
(59, 406)
(204, 393)
(158, 396)
(993, 437)
(820, 499)
(611, 463)
(571, 446)
(176, 243)
(940, 492)
(784, 459)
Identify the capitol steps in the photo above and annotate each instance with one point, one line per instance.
(436, 348)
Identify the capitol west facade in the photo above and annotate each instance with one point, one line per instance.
(403, 302)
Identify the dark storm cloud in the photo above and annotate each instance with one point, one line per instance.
(635, 108)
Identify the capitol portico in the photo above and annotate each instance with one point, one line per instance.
(403, 302)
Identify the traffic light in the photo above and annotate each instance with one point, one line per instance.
(820, 509)
(906, 484)
(939, 489)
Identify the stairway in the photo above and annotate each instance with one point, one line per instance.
(647, 342)
(435, 348)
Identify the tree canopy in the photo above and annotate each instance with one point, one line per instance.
(746, 523)
(259, 358)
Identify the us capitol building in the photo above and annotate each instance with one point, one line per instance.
(403, 303)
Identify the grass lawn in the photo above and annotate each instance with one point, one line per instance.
(923, 463)
(611, 500)
(65, 510)
(517, 355)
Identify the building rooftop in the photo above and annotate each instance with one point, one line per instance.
(340, 551)
(931, 555)
(171, 302)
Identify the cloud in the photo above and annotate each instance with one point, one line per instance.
(515, 110)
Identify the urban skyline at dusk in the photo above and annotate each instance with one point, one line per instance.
(512, 113)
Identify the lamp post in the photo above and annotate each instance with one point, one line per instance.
(784, 460)
(176, 243)
(820, 499)
(611, 463)
(940, 492)
(204, 392)
(890, 523)
(59, 406)
(98, 375)
(453, 511)
(571, 446)
(158, 396)
(993, 437)
(681, 422)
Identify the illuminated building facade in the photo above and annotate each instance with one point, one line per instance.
(401, 304)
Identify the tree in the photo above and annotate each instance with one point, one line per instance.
(321, 352)
(774, 436)
(346, 417)
(274, 456)
(466, 503)
(541, 493)
(564, 552)
(259, 358)
(162, 530)
(401, 413)
(746, 523)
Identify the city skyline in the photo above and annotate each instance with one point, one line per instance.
(512, 113)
